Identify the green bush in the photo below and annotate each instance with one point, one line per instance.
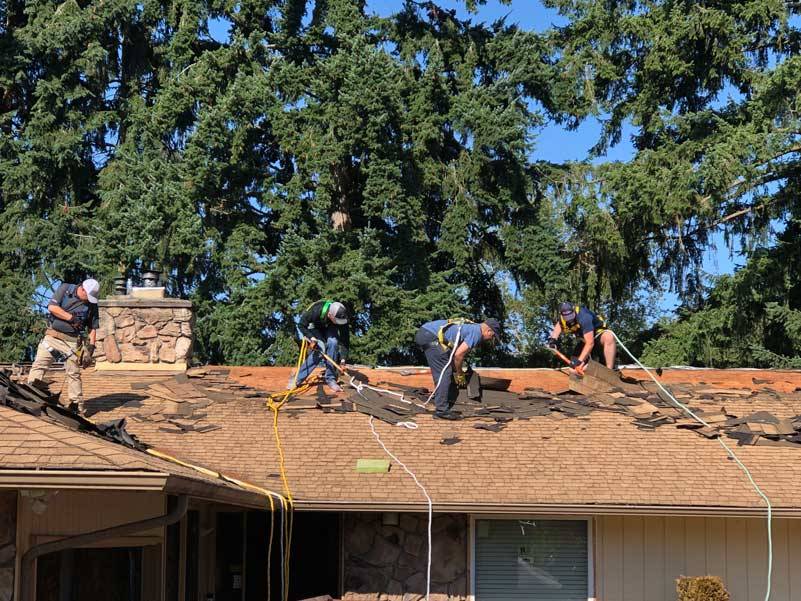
(701, 588)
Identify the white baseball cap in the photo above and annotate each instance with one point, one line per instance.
(338, 314)
(91, 287)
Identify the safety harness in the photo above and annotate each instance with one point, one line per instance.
(326, 307)
(457, 321)
(577, 326)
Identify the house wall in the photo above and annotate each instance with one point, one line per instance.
(8, 536)
(639, 558)
(388, 563)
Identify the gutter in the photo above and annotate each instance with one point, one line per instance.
(27, 565)
(549, 509)
(83, 479)
(132, 481)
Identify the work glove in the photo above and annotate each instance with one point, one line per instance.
(86, 355)
(578, 365)
(553, 343)
(460, 379)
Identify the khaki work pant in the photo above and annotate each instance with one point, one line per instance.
(44, 359)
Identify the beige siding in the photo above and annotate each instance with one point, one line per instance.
(639, 558)
(69, 512)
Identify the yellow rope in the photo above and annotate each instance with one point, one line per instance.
(274, 402)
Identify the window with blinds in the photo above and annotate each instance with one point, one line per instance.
(531, 560)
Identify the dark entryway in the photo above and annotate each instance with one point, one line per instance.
(80, 574)
(242, 548)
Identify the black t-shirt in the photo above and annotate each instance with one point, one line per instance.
(66, 297)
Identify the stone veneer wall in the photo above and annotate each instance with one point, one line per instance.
(8, 543)
(388, 563)
(153, 333)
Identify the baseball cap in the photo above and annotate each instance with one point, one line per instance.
(568, 311)
(495, 326)
(338, 314)
(91, 287)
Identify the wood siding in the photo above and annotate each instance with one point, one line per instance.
(640, 558)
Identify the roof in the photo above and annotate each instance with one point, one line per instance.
(37, 452)
(600, 462)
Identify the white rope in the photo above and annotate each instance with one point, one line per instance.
(428, 499)
(728, 450)
(444, 369)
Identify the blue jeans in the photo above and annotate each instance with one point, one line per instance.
(314, 358)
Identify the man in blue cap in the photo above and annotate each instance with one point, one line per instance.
(589, 327)
(325, 326)
(445, 343)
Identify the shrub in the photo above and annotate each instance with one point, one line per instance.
(701, 588)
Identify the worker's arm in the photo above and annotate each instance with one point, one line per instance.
(93, 324)
(589, 342)
(54, 306)
(556, 331)
(306, 325)
(458, 357)
(57, 311)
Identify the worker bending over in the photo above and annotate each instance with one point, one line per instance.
(325, 326)
(437, 340)
(589, 327)
(73, 310)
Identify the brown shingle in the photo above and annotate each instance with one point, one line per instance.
(600, 458)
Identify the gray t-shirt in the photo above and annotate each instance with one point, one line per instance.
(66, 297)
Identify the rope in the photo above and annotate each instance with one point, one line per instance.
(275, 402)
(728, 450)
(428, 499)
(444, 369)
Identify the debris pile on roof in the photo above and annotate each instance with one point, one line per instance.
(184, 397)
(600, 389)
(40, 402)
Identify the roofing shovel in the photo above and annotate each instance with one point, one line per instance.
(356, 375)
(578, 369)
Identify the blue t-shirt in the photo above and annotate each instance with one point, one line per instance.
(588, 321)
(469, 334)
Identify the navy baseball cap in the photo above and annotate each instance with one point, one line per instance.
(568, 311)
(495, 326)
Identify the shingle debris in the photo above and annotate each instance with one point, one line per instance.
(601, 389)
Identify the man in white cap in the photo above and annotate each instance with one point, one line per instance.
(73, 310)
(325, 326)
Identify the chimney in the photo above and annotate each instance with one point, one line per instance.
(144, 331)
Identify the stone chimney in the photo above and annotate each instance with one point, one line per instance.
(147, 334)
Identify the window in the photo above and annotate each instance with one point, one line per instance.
(531, 560)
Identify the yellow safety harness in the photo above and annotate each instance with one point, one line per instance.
(457, 321)
(568, 329)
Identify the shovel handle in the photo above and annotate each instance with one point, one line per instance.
(330, 360)
(579, 369)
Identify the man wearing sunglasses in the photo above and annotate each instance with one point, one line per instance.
(590, 328)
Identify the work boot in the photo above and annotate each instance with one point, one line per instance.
(449, 415)
(333, 386)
